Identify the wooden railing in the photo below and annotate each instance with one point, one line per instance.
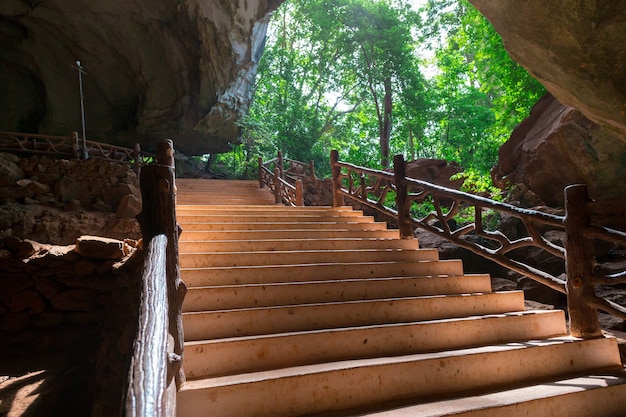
(155, 371)
(72, 147)
(273, 174)
(406, 198)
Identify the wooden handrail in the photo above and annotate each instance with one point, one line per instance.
(71, 147)
(284, 191)
(375, 188)
(155, 371)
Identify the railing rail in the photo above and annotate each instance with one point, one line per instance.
(396, 195)
(71, 147)
(155, 371)
(275, 179)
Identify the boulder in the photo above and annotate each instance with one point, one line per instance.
(129, 207)
(575, 48)
(67, 189)
(96, 247)
(557, 146)
(10, 173)
(435, 171)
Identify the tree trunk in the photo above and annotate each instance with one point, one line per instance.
(385, 132)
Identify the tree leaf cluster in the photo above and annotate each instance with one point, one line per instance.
(373, 78)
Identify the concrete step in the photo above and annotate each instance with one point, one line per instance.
(284, 226)
(190, 235)
(322, 388)
(264, 210)
(599, 393)
(187, 246)
(207, 325)
(200, 277)
(260, 353)
(290, 293)
(202, 260)
(265, 218)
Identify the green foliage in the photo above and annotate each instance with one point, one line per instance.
(331, 65)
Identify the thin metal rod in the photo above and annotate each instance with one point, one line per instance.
(82, 107)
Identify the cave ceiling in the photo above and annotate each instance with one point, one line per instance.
(181, 69)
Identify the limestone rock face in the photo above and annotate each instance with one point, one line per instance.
(166, 68)
(575, 48)
(557, 146)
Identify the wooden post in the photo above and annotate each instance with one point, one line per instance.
(261, 185)
(299, 193)
(363, 195)
(336, 170)
(137, 158)
(404, 219)
(280, 165)
(583, 318)
(158, 216)
(75, 145)
(277, 185)
(312, 169)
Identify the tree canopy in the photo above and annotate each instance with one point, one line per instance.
(375, 77)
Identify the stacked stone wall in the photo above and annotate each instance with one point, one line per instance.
(78, 301)
(56, 201)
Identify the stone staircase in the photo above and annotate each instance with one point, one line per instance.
(322, 311)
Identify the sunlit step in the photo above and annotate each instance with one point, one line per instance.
(205, 325)
(289, 293)
(202, 260)
(322, 388)
(297, 244)
(287, 234)
(284, 226)
(198, 277)
(259, 353)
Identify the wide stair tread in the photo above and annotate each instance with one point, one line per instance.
(324, 312)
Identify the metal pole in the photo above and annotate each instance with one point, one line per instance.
(82, 107)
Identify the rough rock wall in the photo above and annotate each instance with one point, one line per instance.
(76, 306)
(176, 68)
(574, 48)
(557, 146)
(55, 201)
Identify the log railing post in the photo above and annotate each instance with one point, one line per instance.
(261, 185)
(299, 193)
(75, 145)
(336, 171)
(404, 217)
(312, 169)
(277, 185)
(156, 370)
(136, 158)
(281, 167)
(583, 317)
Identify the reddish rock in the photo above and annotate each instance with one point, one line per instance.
(27, 300)
(435, 171)
(575, 48)
(74, 300)
(101, 248)
(10, 173)
(16, 321)
(557, 146)
(48, 287)
(129, 207)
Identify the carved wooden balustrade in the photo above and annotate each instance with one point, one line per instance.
(72, 147)
(405, 198)
(272, 174)
(155, 370)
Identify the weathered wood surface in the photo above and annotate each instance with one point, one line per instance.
(583, 317)
(585, 220)
(156, 369)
